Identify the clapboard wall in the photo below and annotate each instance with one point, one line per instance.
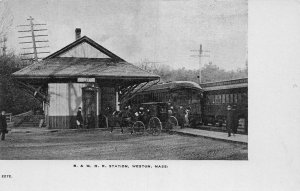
(65, 98)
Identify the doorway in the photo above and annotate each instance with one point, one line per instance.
(89, 107)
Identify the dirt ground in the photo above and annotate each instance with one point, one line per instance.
(103, 145)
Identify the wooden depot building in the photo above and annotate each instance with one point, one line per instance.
(82, 74)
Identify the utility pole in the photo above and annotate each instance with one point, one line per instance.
(200, 55)
(33, 41)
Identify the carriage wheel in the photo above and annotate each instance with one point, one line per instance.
(138, 127)
(154, 126)
(171, 123)
(173, 120)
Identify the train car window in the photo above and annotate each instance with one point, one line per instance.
(239, 98)
(227, 98)
(218, 100)
(244, 98)
(163, 98)
(208, 100)
(235, 98)
(231, 98)
(223, 98)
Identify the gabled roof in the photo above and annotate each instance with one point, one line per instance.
(83, 67)
(63, 64)
(86, 40)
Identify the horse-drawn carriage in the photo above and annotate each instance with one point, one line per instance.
(151, 117)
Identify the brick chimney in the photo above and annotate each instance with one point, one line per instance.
(77, 33)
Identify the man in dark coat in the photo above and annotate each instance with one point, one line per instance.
(180, 116)
(235, 120)
(3, 125)
(126, 117)
(229, 120)
(79, 119)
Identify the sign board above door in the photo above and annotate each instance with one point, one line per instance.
(84, 80)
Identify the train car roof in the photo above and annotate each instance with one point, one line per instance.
(227, 84)
(174, 85)
(153, 103)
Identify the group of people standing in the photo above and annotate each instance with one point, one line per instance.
(90, 120)
(181, 114)
(126, 115)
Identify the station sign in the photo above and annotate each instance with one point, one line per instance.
(86, 80)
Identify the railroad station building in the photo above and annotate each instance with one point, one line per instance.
(82, 74)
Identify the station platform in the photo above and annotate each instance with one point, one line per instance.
(237, 138)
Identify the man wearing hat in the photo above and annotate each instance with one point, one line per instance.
(79, 119)
(3, 125)
(229, 120)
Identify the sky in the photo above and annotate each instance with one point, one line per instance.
(163, 31)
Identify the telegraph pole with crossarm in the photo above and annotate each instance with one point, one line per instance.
(200, 55)
(32, 34)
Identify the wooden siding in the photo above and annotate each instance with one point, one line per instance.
(84, 50)
(65, 98)
(62, 122)
(66, 122)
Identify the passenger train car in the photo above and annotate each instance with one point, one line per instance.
(218, 95)
(207, 102)
(178, 93)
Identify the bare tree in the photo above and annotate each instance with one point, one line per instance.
(6, 18)
(148, 65)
